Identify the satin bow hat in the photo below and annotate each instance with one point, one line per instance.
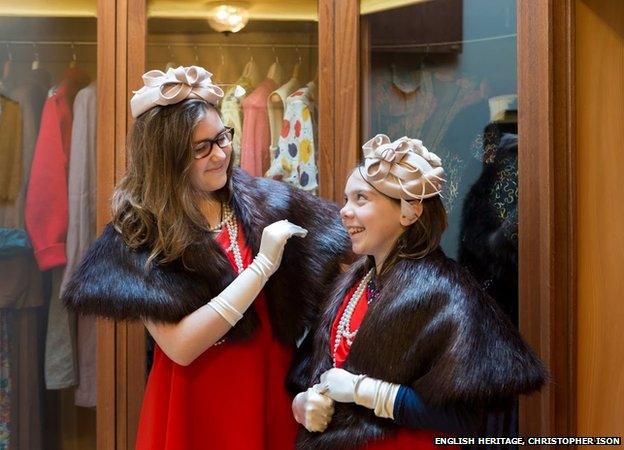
(404, 170)
(174, 86)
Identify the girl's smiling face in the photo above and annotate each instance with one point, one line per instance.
(372, 220)
(209, 174)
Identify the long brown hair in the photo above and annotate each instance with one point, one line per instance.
(154, 205)
(423, 236)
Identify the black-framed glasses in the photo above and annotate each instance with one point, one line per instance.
(222, 139)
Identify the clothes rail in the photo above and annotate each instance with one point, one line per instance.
(444, 44)
(36, 43)
(217, 45)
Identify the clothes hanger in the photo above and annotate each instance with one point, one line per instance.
(220, 69)
(251, 69)
(196, 55)
(8, 64)
(424, 59)
(275, 71)
(297, 66)
(74, 60)
(35, 63)
(171, 64)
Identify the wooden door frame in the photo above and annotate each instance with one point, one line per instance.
(547, 205)
(121, 345)
(106, 156)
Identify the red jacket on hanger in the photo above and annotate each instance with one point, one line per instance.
(46, 211)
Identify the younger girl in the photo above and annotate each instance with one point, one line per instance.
(407, 342)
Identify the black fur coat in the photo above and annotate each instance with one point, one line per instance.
(112, 282)
(431, 328)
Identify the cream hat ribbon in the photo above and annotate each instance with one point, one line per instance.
(174, 86)
(403, 169)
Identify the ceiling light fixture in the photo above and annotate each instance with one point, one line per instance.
(228, 16)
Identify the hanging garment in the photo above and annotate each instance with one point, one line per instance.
(232, 115)
(13, 242)
(295, 161)
(31, 96)
(60, 346)
(193, 406)
(21, 298)
(26, 389)
(256, 136)
(81, 233)
(11, 159)
(444, 109)
(46, 211)
(21, 293)
(5, 381)
(276, 104)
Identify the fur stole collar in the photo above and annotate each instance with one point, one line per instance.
(431, 328)
(111, 280)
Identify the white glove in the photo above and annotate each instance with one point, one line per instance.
(378, 395)
(273, 241)
(313, 410)
(234, 300)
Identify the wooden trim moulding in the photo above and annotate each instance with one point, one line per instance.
(547, 247)
(346, 91)
(135, 331)
(326, 68)
(106, 101)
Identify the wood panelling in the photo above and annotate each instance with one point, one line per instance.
(135, 333)
(546, 203)
(535, 195)
(600, 217)
(106, 380)
(327, 56)
(564, 294)
(121, 118)
(339, 93)
(365, 78)
(347, 91)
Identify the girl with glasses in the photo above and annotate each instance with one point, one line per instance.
(204, 256)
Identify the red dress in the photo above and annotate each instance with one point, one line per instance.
(404, 439)
(232, 397)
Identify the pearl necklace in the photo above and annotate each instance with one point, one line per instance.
(229, 220)
(230, 223)
(344, 330)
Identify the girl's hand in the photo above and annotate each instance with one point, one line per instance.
(274, 238)
(339, 385)
(313, 410)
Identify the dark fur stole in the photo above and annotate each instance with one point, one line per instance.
(431, 328)
(112, 281)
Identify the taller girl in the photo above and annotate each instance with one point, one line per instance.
(196, 251)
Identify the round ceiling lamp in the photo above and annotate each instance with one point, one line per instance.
(228, 16)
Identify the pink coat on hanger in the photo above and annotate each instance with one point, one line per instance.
(256, 133)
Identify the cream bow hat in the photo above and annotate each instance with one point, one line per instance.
(174, 86)
(404, 170)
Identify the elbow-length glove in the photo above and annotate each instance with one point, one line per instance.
(234, 300)
(343, 386)
(313, 410)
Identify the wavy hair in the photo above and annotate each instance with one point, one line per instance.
(154, 205)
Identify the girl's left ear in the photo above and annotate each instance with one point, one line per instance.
(410, 212)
